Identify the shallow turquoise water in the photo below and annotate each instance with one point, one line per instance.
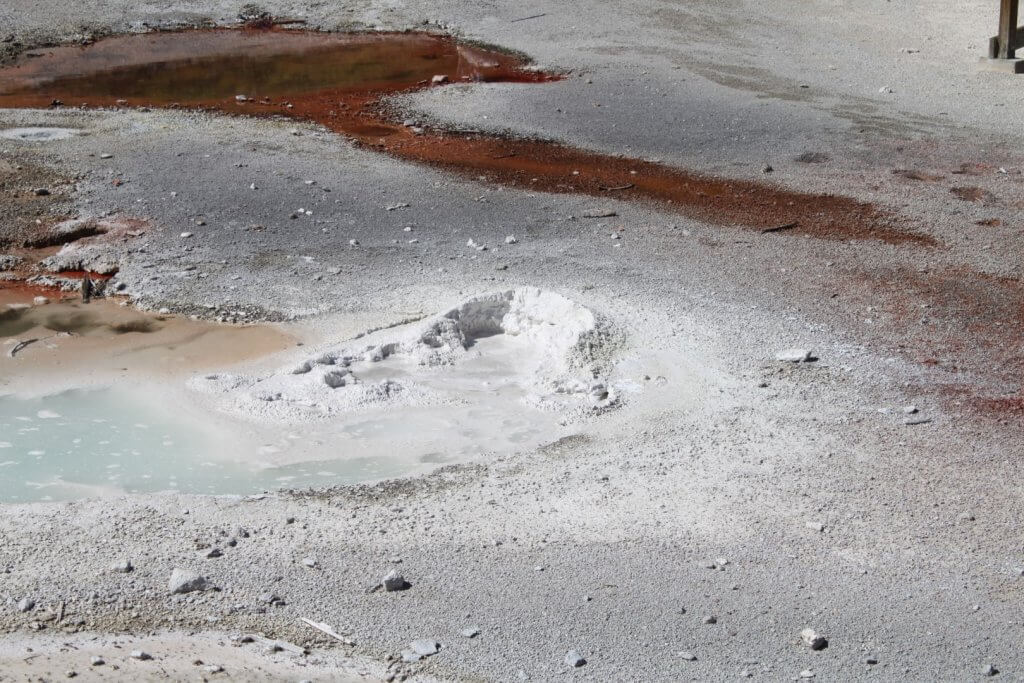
(83, 443)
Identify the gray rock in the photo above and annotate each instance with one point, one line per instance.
(409, 657)
(96, 660)
(271, 599)
(425, 647)
(309, 562)
(989, 670)
(471, 632)
(710, 619)
(794, 355)
(9, 261)
(574, 659)
(26, 604)
(806, 673)
(336, 379)
(302, 368)
(599, 213)
(186, 581)
(813, 639)
(122, 567)
(141, 655)
(394, 581)
(688, 656)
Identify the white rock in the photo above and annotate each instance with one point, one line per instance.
(439, 79)
(336, 379)
(793, 355)
(186, 581)
(425, 647)
(511, 239)
(26, 604)
(122, 567)
(141, 655)
(574, 659)
(40, 301)
(186, 235)
(394, 581)
(813, 639)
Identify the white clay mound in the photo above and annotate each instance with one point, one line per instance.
(526, 344)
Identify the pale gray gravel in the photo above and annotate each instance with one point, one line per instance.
(726, 453)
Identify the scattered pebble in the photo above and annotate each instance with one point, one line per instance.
(96, 660)
(185, 235)
(425, 647)
(393, 581)
(813, 639)
(574, 659)
(471, 632)
(186, 581)
(141, 655)
(122, 567)
(793, 355)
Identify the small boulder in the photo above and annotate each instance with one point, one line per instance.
(574, 659)
(425, 647)
(794, 355)
(122, 567)
(186, 581)
(813, 639)
(394, 581)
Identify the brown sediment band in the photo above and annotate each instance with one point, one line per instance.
(337, 80)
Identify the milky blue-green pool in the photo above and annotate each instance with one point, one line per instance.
(93, 442)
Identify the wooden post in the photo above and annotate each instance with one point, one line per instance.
(1007, 29)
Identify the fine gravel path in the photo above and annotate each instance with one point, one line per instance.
(771, 496)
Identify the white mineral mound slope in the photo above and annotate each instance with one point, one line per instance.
(551, 349)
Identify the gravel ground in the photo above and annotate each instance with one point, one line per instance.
(774, 497)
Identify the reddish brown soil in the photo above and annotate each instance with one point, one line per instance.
(338, 80)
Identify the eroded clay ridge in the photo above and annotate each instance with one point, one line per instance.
(338, 79)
